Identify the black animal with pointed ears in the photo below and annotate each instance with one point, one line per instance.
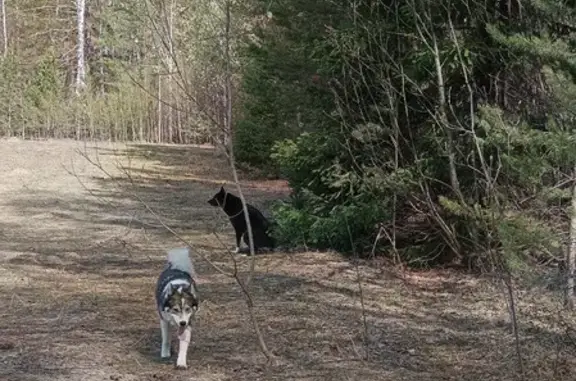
(232, 206)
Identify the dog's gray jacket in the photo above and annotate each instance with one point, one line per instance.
(173, 276)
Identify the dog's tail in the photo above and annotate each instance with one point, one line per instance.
(179, 258)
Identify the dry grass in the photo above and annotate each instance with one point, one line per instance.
(77, 271)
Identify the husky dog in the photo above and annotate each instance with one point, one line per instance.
(232, 206)
(177, 302)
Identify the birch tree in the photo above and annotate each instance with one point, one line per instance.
(4, 28)
(571, 251)
(170, 65)
(80, 54)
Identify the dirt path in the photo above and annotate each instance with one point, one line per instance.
(79, 255)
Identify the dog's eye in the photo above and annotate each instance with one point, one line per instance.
(176, 309)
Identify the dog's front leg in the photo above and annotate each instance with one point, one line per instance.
(184, 339)
(238, 241)
(165, 329)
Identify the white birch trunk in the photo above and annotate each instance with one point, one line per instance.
(4, 28)
(80, 63)
(170, 63)
(159, 131)
(571, 251)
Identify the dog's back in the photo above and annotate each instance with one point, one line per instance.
(259, 224)
(257, 218)
(178, 270)
(235, 212)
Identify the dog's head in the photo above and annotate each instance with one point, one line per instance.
(181, 305)
(218, 198)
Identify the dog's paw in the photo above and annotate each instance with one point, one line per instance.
(181, 366)
(163, 360)
(236, 250)
(165, 354)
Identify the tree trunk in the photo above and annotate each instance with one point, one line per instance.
(571, 251)
(228, 130)
(170, 62)
(4, 28)
(159, 126)
(80, 55)
(444, 121)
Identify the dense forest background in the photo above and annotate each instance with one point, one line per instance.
(434, 131)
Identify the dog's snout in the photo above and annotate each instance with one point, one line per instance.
(182, 323)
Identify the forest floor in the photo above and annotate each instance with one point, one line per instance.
(80, 253)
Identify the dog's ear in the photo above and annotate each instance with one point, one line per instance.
(195, 302)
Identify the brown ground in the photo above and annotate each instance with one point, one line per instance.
(79, 255)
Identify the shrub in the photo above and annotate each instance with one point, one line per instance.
(252, 142)
(332, 207)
